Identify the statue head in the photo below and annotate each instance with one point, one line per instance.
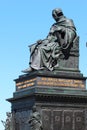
(34, 108)
(57, 13)
(8, 114)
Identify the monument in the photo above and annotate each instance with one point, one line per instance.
(53, 83)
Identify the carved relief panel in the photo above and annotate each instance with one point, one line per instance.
(21, 120)
(63, 119)
(68, 120)
(46, 119)
(53, 119)
(79, 120)
(57, 119)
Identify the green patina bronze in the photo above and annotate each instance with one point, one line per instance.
(45, 54)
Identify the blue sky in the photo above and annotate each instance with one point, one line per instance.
(23, 22)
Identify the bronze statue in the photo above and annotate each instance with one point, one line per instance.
(7, 124)
(45, 54)
(35, 121)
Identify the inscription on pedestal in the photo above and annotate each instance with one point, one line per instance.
(51, 82)
(25, 83)
(60, 82)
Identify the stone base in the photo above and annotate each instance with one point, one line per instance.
(60, 98)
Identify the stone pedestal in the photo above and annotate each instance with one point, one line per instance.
(60, 97)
